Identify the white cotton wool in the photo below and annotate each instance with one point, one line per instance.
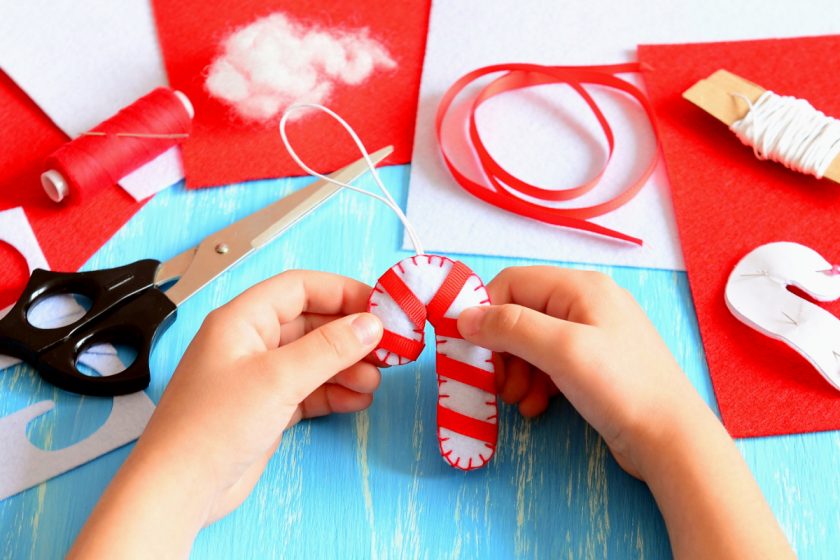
(275, 62)
(227, 79)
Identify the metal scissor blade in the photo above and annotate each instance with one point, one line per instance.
(221, 250)
(175, 267)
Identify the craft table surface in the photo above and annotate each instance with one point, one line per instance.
(372, 485)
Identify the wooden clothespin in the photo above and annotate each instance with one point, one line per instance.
(715, 96)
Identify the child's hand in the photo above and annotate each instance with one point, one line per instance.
(288, 348)
(595, 344)
(579, 332)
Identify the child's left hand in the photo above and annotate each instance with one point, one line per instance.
(289, 348)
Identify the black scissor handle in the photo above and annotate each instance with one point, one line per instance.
(135, 323)
(126, 308)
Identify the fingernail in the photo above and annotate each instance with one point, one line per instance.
(469, 323)
(367, 328)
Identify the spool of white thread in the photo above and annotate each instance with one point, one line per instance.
(56, 186)
(790, 131)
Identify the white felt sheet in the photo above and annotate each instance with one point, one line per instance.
(24, 465)
(83, 62)
(547, 135)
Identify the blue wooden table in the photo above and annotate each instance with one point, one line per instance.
(372, 485)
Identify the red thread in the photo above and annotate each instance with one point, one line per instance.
(501, 185)
(134, 136)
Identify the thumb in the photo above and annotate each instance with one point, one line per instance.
(533, 336)
(307, 363)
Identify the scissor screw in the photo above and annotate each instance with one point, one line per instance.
(222, 248)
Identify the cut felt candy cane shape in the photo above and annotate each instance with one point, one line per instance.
(437, 289)
(757, 294)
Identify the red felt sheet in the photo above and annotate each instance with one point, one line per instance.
(727, 203)
(224, 148)
(68, 233)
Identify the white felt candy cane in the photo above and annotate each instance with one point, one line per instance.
(437, 289)
(757, 294)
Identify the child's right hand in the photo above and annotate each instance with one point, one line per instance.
(580, 333)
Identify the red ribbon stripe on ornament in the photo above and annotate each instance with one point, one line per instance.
(437, 289)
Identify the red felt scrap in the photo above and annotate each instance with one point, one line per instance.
(225, 149)
(69, 232)
(728, 202)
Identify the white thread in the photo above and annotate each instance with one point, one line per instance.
(789, 131)
(388, 200)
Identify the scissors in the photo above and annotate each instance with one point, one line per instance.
(130, 304)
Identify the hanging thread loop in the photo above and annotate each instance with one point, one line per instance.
(387, 199)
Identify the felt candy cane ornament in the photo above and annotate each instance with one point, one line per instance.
(437, 289)
(434, 288)
(757, 294)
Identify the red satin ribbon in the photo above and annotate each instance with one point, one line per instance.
(502, 184)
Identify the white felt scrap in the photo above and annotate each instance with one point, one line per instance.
(23, 465)
(757, 294)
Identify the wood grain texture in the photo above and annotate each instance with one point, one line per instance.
(372, 485)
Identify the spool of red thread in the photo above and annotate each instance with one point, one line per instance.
(133, 137)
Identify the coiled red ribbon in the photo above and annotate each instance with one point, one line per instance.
(501, 184)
